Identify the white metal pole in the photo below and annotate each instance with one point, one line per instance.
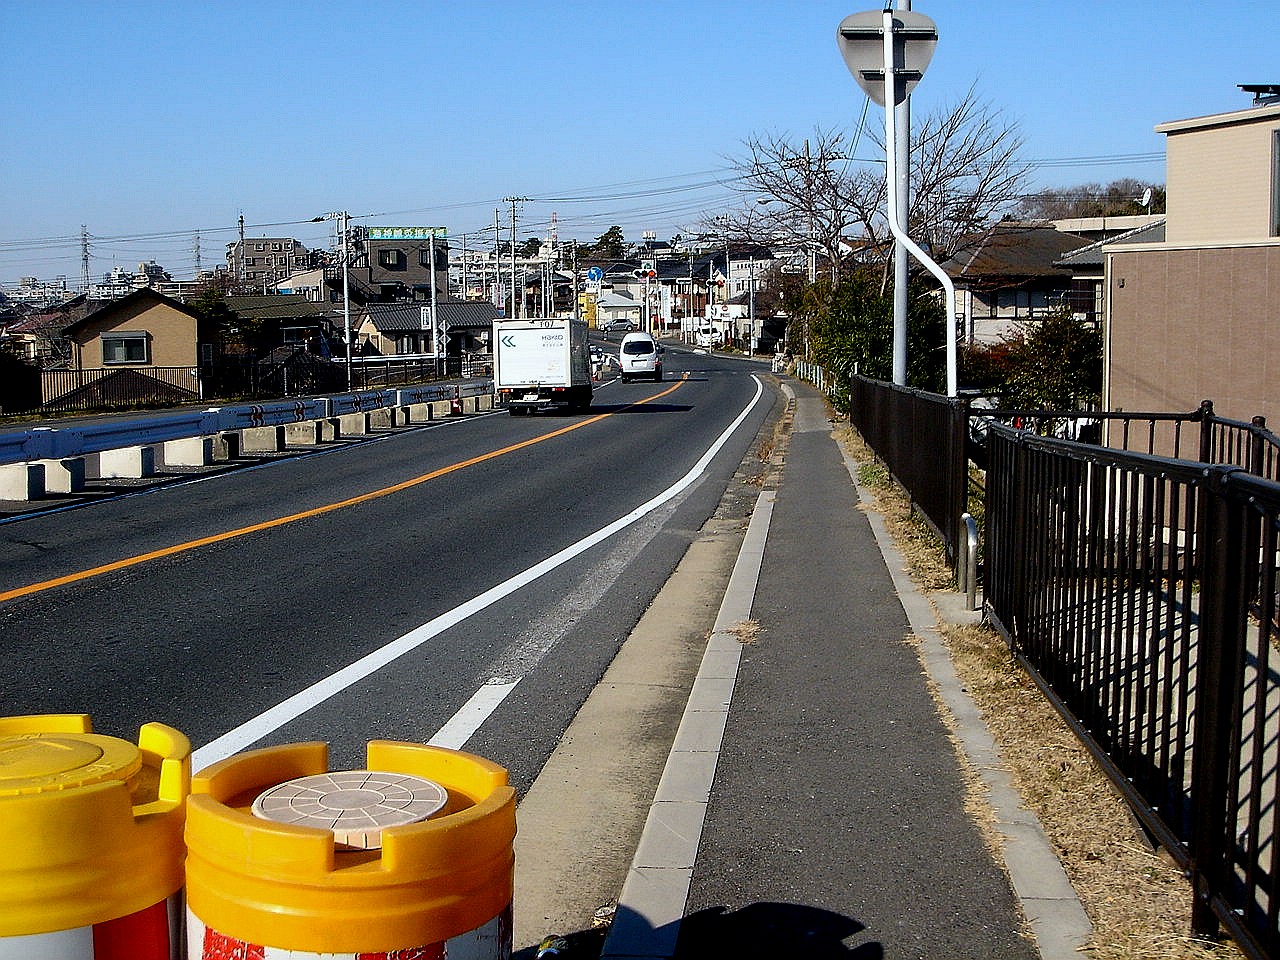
(891, 207)
(435, 319)
(900, 272)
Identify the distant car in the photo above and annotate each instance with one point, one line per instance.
(609, 326)
(640, 356)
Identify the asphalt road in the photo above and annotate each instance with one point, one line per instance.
(381, 585)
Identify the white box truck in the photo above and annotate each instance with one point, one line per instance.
(540, 362)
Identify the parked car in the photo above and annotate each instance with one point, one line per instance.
(609, 326)
(640, 356)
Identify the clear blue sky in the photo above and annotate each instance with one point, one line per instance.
(167, 118)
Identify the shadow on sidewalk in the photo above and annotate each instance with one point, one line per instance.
(772, 930)
(769, 931)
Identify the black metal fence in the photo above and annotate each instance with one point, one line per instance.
(920, 437)
(117, 387)
(1135, 577)
(1141, 594)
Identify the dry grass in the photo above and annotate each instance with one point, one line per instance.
(1138, 901)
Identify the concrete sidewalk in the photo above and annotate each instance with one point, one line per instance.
(813, 803)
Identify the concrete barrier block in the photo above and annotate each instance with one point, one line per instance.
(304, 434)
(127, 463)
(64, 476)
(439, 409)
(418, 413)
(21, 481)
(329, 429)
(226, 446)
(381, 419)
(262, 439)
(484, 401)
(188, 452)
(354, 424)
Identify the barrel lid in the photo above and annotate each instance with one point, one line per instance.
(42, 763)
(356, 805)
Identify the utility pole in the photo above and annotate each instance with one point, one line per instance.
(497, 245)
(84, 257)
(514, 315)
(196, 251)
(240, 259)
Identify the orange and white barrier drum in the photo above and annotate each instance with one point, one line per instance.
(409, 859)
(91, 834)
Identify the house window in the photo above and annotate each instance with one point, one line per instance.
(250, 261)
(390, 259)
(1275, 184)
(122, 347)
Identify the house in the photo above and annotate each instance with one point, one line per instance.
(1195, 317)
(144, 346)
(405, 329)
(611, 307)
(1087, 296)
(144, 329)
(285, 320)
(1007, 275)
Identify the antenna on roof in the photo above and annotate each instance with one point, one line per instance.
(1263, 93)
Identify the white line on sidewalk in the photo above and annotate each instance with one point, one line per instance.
(652, 904)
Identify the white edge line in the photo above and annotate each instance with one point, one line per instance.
(473, 713)
(272, 719)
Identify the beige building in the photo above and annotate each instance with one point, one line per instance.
(144, 329)
(1198, 316)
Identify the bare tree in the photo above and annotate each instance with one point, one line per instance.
(800, 195)
(1121, 197)
(965, 173)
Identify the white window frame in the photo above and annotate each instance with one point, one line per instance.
(127, 339)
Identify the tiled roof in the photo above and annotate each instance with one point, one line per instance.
(1014, 249)
(453, 314)
(1095, 253)
(146, 293)
(280, 306)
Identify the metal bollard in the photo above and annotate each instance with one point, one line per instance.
(967, 564)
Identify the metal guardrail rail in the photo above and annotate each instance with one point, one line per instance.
(50, 443)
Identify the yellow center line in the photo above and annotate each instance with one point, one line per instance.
(177, 548)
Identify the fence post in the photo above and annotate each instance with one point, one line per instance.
(1217, 713)
(1257, 447)
(1206, 431)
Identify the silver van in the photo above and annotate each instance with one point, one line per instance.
(640, 356)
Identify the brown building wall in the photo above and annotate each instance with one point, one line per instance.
(1195, 324)
(172, 335)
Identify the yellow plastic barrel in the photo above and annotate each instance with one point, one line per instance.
(90, 840)
(428, 887)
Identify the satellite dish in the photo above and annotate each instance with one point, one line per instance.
(1146, 199)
